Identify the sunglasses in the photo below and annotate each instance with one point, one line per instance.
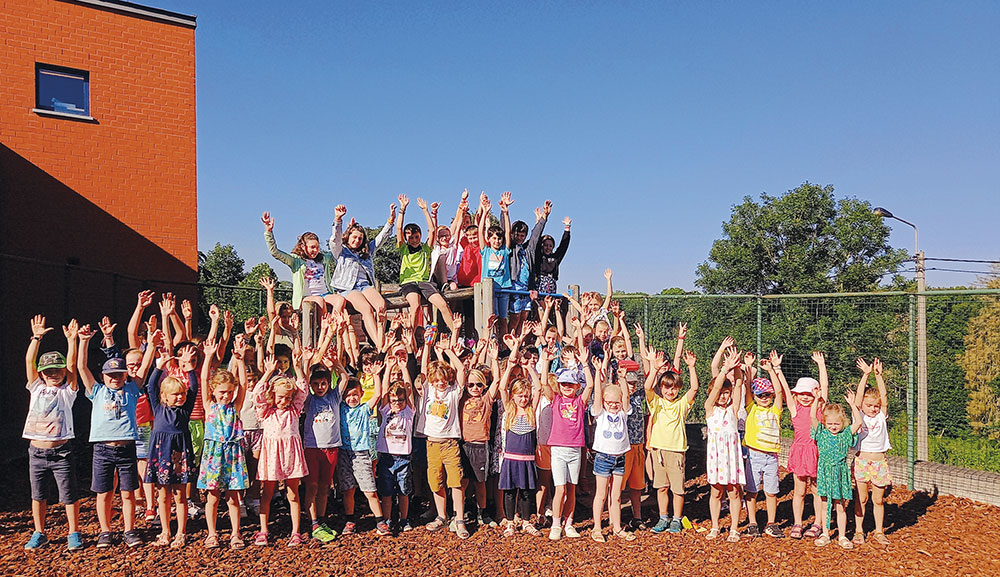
(391, 400)
(476, 384)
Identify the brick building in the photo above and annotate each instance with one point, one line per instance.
(98, 179)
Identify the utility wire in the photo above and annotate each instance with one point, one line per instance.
(964, 260)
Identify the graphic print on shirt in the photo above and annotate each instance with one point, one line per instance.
(395, 428)
(46, 416)
(438, 409)
(568, 410)
(767, 423)
(494, 263)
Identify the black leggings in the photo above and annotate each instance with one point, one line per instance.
(525, 506)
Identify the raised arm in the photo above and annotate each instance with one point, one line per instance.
(682, 331)
(730, 361)
(546, 389)
(456, 223)
(383, 234)
(404, 201)
(541, 217)
(505, 201)
(272, 246)
(866, 371)
(717, 359)
(689, 360)
(824, 379)
(656, 362)
(227, 331)
(268, 283)
(85, 333)
(239, 346)
(166, 307)
(610, 289)
(560, 251)
(772, 364)
(883, 392)
(774, 359)
(209, 347)
(336, 242)
(188, 313)
(484, 217)
(71, 331)
(640, 336)
(144, 300)
(583, 357)
(430, 217)
(857, 420)
(38, 330)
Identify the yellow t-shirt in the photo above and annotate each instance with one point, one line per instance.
(668, 432)
(367, 386)
(763, 428)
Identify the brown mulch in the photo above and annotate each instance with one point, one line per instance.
(930, 535)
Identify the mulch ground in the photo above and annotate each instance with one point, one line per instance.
(930, 535)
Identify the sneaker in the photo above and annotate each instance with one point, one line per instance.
(555, 533)
(104, 540)
(675, 526)
(752, 530)
(260, 539)
(295, 540)
(634, 525)
(661, 526)
(436, 524)
(461, 531)
(74, 541)
(150, 515)
(406, 526)
(155, 522)
(193, 510)
(323, 534)
(382, 529)
(772, 530)
(132, 539)
(37, 541)
(570, 531)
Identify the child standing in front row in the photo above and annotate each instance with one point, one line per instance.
(395, 445)
(517, 471)
(871, 470)
(354, 465)
(834, 440)
(611, 443)
(726, 473)
(763, 442)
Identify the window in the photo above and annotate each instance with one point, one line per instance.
(62, 90)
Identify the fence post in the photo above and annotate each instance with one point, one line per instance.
(760, 317)
(260, 304)
(645, 312)
(910, 408)
(574, 291)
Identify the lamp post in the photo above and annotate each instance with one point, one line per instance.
(922, 447)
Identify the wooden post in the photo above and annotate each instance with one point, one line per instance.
(574, 291)
(483, 306)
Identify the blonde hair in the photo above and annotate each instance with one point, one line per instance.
(873, 395)
(510, 407)
(440, 370)
(611, 391)
(221, 377)
(279, 383)
(834, 410)
(171, 385)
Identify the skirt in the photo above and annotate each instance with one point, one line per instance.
(171, 459)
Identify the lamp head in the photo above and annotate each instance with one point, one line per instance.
(879, 211)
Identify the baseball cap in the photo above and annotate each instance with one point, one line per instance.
(114, 365)
(51, 360)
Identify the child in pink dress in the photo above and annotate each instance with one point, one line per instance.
(279, 403)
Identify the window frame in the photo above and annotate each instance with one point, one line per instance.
(43, 109)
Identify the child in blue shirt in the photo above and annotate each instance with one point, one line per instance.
(354, 463)
(495, 243)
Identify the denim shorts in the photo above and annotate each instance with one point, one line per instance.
(606, 465)
(111, 458)
(520, 303)
(142, 444)
(354, 470)
(762, 472)
(61, 463)
(392, 475)
(501, 303)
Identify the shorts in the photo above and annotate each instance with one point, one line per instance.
(635, 468)
(197, 429)
(359, 286)
(111, 458)
(474, 459)
(762, 472)
(565, 464)
(520, 303)
(393, 477)
(875, 471)
(61, 462)
(424, 289)
(501, 303)
(142, 444)
(444, 464)
(606, 465)
(321, 464)
(668, 470)
(354, 470)
(543, 457)
(251, 442)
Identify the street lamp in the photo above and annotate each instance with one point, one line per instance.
(918, 255)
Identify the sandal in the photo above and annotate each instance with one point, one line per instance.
(813, 531)
(859, 538)
(596, 535)
(179, 541)
(530, 529)
(625, 535)
(212, 542)
(162, 540)
(713, 534)
(880, 538)
(260, 539)
(796, 532)
(236, 543)
(508, 529)
(823, 541)
(845, 543)
(734, 537)
(295, 540)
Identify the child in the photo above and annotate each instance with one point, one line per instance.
(591, 307)
(171, 456)
(522, 263)
(803, 455)
(447, 253)
(279, 403)
(517, 471)
(611, 443)
(471, 261)
(566, 442)
(495, 250)
(49, 427)
(252, 433)
(725, 458)
(835, 440)
(635, 459)
(395, 444)
(548, 258)
(354, 465)
(415, 260)
(223, 466)
(322, 442)
(667, 438)
(762, 439)
(113, 431)
(476, 407)
(311, 268)
(871, 470)
(439, 410)
(354, 275)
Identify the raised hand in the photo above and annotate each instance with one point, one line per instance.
(456, 321)
(210, 347)
(293, 321)
(268, 221)
(151, 325)
(567, 221)
(156, 339)
(71, 330)
(727, 343)
(421, 203)
(547, 208)
(608, 273)
(434, 208)
(270, 363)
(250, 326)
(239, 346)
(404, 201)
(392, 213)
(748, 358)
(639, 332)
(690, 358)
(186, 311)
(145, 299)
(267, 282)
(775, 359)
(107, 329)
(682, 331)
(539, 215)
(863, 366)
(877, 367)
(85, 333)
(228, 320)
(38, 328)
(731, 359)
(338, 212)
(214, 312)
(187, 354)
(818, 357)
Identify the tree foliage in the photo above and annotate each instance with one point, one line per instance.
(805, 241)
(981, 363)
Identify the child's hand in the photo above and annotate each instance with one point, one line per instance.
(186, 311)
(765, 363)
(187, 355)
(71, 330)
(404, 201)
(167, 304)
(748, 358)
(492, 321)
(775, 359)
(558, 305)
(392, 213)
(865, 367)
(378, 366)
(107, 329)
(145, 299)
(338, 212)
(270, 363)
(483, 199)
(877, 366)
(849, 397)
(151, 325)
(608, 273)
(690, 358)
(239, 346)
(529, 327)
(456, 322)
(818, 357)
(267, 282)
(156, 339)
(85, 333)
(731, 359)
(250, 326)
(639, 332)
(268, 222)
(615, 308)
(538, 214)
(164, 357)
(506, 200)
(421, 203)
(658, 361)
(228, 320)
(213, 313)
(727, 343)
(567, 221)
(434, 208)
(682, 331)
(407, 334)
(293, 321)
(38, 328)
(297, 354)
(210, 347)
(547, 208)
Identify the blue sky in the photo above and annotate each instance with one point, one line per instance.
(643, 121)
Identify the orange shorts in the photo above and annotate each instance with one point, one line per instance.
(635, 468)
(543, 457)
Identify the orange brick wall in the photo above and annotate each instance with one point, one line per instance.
(138, 162)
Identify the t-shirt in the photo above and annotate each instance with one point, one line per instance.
(668, 432)
(611, 433)
(874, 434)
(356, 427)
(440, 414)
(248, 413)
(322, 421)
(476, 412)
(567, 421)
(113, 415)
(50, 412)
(637, 418)
(445, 267)
(543, 420)
(396, 433)
(763, 428)
(315, 279)
(414, 263)
(469, 264)
(524, 275)
(143, 412)
(496, 266)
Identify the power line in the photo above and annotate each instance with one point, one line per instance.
(964, 260)
(968, 271)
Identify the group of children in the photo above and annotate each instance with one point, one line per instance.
(398, 409)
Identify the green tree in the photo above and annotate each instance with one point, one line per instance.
(981, 363)
(253, 300)
(219, 266)
(805, 241)
(386, 258)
